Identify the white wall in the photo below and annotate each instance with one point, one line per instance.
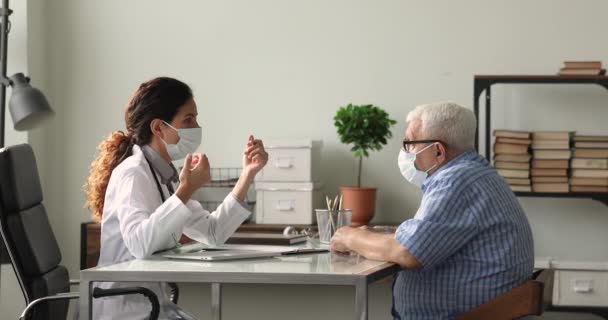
(281, 69)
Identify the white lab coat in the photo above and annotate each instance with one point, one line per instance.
(136, 224)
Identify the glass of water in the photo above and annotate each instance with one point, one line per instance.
(329, 221)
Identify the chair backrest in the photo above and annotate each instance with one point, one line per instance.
(525, 300)
(27, 233)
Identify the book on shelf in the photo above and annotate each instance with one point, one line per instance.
(513, 157)
(581, 72)
(512, 165)
(521, 188)
(512, 134)
(589, 188)
(552, 154)
(513, 141)
(510, 148)
(589, 173)
(535, 172)
(265, 238)
(550, 164)
(589, 138)
(509, 173)
(584, 163)
(550, 187)
(549, 179)
(583, 64)
(551, 135)
(591, 144)
(589, 181)
(550, 144)
(518, 181)
(590, 153)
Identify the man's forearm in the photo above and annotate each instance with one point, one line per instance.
(372, 245)
(382, 247)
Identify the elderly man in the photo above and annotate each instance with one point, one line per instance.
(469, 241)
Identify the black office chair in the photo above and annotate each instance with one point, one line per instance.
(31, 244)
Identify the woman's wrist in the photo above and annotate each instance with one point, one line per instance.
(184, 192)
(247, 176)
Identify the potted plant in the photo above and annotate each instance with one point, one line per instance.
(366, 128)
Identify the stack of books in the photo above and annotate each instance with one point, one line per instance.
(582, 68)
(590, 164)
(550, 161)
(512, 158)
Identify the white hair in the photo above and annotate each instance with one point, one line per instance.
(446, 121)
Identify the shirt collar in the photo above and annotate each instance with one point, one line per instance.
(467, 155)
(165, 169)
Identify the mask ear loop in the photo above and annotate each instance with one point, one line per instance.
(436, 164)
(424, 149)
(172, 127)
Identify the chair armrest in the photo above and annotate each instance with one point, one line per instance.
(546, 277)
(59, 296)
(99, 293)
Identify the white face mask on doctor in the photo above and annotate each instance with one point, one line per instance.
(407, 166)
(189, 141)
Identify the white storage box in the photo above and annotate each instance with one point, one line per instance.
(294, 161)
(580, 283)
(287, 202)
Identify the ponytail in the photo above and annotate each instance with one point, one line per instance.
(111, 152)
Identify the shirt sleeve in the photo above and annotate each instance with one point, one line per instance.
(216, 227)
(443, 224)
(146, 229)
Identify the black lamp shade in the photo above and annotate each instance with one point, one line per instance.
(27, 105)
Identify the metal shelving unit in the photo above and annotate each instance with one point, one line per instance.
(223, 179)
(483, 83)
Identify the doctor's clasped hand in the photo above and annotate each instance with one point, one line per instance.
(194, 175)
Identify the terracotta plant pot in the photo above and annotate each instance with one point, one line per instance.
(362, 201)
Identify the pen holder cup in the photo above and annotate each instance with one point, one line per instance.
(329, 221)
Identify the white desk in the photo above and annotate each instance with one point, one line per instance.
(316, 269)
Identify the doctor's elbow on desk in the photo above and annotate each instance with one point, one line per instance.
(141, 246)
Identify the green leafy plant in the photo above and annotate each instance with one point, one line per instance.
(366, 127)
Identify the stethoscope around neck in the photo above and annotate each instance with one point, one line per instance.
(160, 190)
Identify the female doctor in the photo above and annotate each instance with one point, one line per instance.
(144, 205)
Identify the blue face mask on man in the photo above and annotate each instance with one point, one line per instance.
(407, 166)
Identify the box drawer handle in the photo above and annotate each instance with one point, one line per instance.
(582, 286)
(286, 205)
(283, 163)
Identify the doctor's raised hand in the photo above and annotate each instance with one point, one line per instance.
(255, 158)
(194, 175)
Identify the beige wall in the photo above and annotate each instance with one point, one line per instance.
(281, 69)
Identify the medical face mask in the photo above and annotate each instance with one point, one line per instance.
(407, 166)
(189, 141)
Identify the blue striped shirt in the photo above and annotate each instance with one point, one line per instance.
(472, 238)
